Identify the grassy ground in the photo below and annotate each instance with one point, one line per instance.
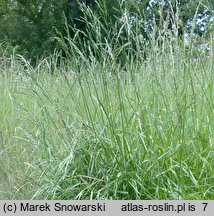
(100, 131)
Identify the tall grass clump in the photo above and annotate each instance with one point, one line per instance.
(116, 120)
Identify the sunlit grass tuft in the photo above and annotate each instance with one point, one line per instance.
(99, 128)
(95, 132)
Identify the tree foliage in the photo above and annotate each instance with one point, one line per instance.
(31, 25)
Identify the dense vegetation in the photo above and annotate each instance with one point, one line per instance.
(31, 27)
(107, 101)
